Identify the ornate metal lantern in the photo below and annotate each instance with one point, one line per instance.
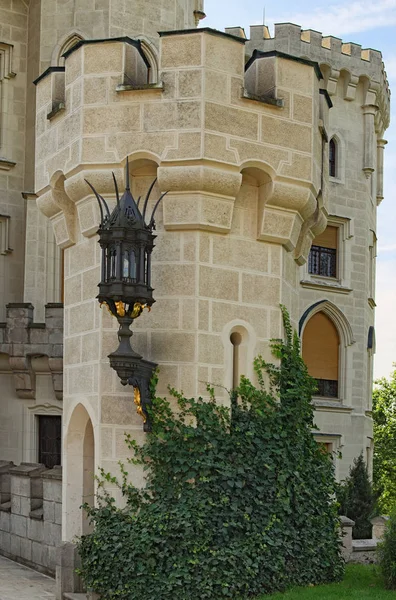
(127, 242)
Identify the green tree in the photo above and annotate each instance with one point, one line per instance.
(357, 499)
(238, 502)
(387, 553)
(384, 416)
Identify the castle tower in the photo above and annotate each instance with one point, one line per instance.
(238, 133)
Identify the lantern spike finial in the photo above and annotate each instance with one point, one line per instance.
(152, 222)
(116, 189)
(147, 199)
(100, 200)
(127, 176)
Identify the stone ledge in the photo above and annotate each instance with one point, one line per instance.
(6, 165)
(329, 406)
(279, 102)
(149, 87)
(364, 545)
(5, 507)
(320, 285)
(28, 469)
(54, 473)
(36, 514)
(56, 109)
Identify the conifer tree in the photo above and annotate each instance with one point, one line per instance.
(357, 499)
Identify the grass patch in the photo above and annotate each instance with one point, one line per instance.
(360, 582)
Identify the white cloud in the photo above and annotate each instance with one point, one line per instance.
(341, 19)
(387, 248)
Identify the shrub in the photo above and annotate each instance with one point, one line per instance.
(387, 553)
(238, 500)
(384, 467)
(357, 499)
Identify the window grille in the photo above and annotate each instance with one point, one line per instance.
(323, 261)
(327, 388)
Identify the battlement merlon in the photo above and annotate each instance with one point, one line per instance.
(332, 55)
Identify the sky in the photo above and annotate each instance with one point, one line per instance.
(373, 25)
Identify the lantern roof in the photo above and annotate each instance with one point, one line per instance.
(126, 213)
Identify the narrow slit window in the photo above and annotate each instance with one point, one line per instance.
(333, 158)
(236, 340)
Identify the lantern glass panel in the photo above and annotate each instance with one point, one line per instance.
(132, 265)
(112, 263)
(125, 265)
(147, 268)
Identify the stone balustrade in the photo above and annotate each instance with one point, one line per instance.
(30, 514)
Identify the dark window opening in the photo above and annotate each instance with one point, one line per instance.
(50, 440)
(327, 388)
(323, 261)
(332, 158)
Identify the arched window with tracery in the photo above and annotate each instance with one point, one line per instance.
(333, 158)
(321, 353)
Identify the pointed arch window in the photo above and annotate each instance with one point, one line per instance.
(333, 159)
(321, 353)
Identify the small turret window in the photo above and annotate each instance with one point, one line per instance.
(333, 158)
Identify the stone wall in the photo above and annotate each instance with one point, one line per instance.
(31, 378)
(30, 514)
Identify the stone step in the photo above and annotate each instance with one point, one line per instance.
(72, 596)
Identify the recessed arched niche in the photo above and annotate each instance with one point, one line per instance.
(254, 192)
(79, 470)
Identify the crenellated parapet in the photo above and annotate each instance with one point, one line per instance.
(27, 348)
(335, 58)
(199, 122)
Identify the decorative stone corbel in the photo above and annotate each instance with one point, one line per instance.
(56, 368)
(199, 196)
(24, 377)
(310, 229)
(56, 204)
(283, 211)
(332, 82)
(350, 88)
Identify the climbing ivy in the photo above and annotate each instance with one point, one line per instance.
(238, 502)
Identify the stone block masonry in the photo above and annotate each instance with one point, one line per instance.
(30, 514)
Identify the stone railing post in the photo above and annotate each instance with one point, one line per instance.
(5, 482)
(379, 525)
(67, 561)
(5, 507)
(26, 499)
(346, 533)
(52, 515)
